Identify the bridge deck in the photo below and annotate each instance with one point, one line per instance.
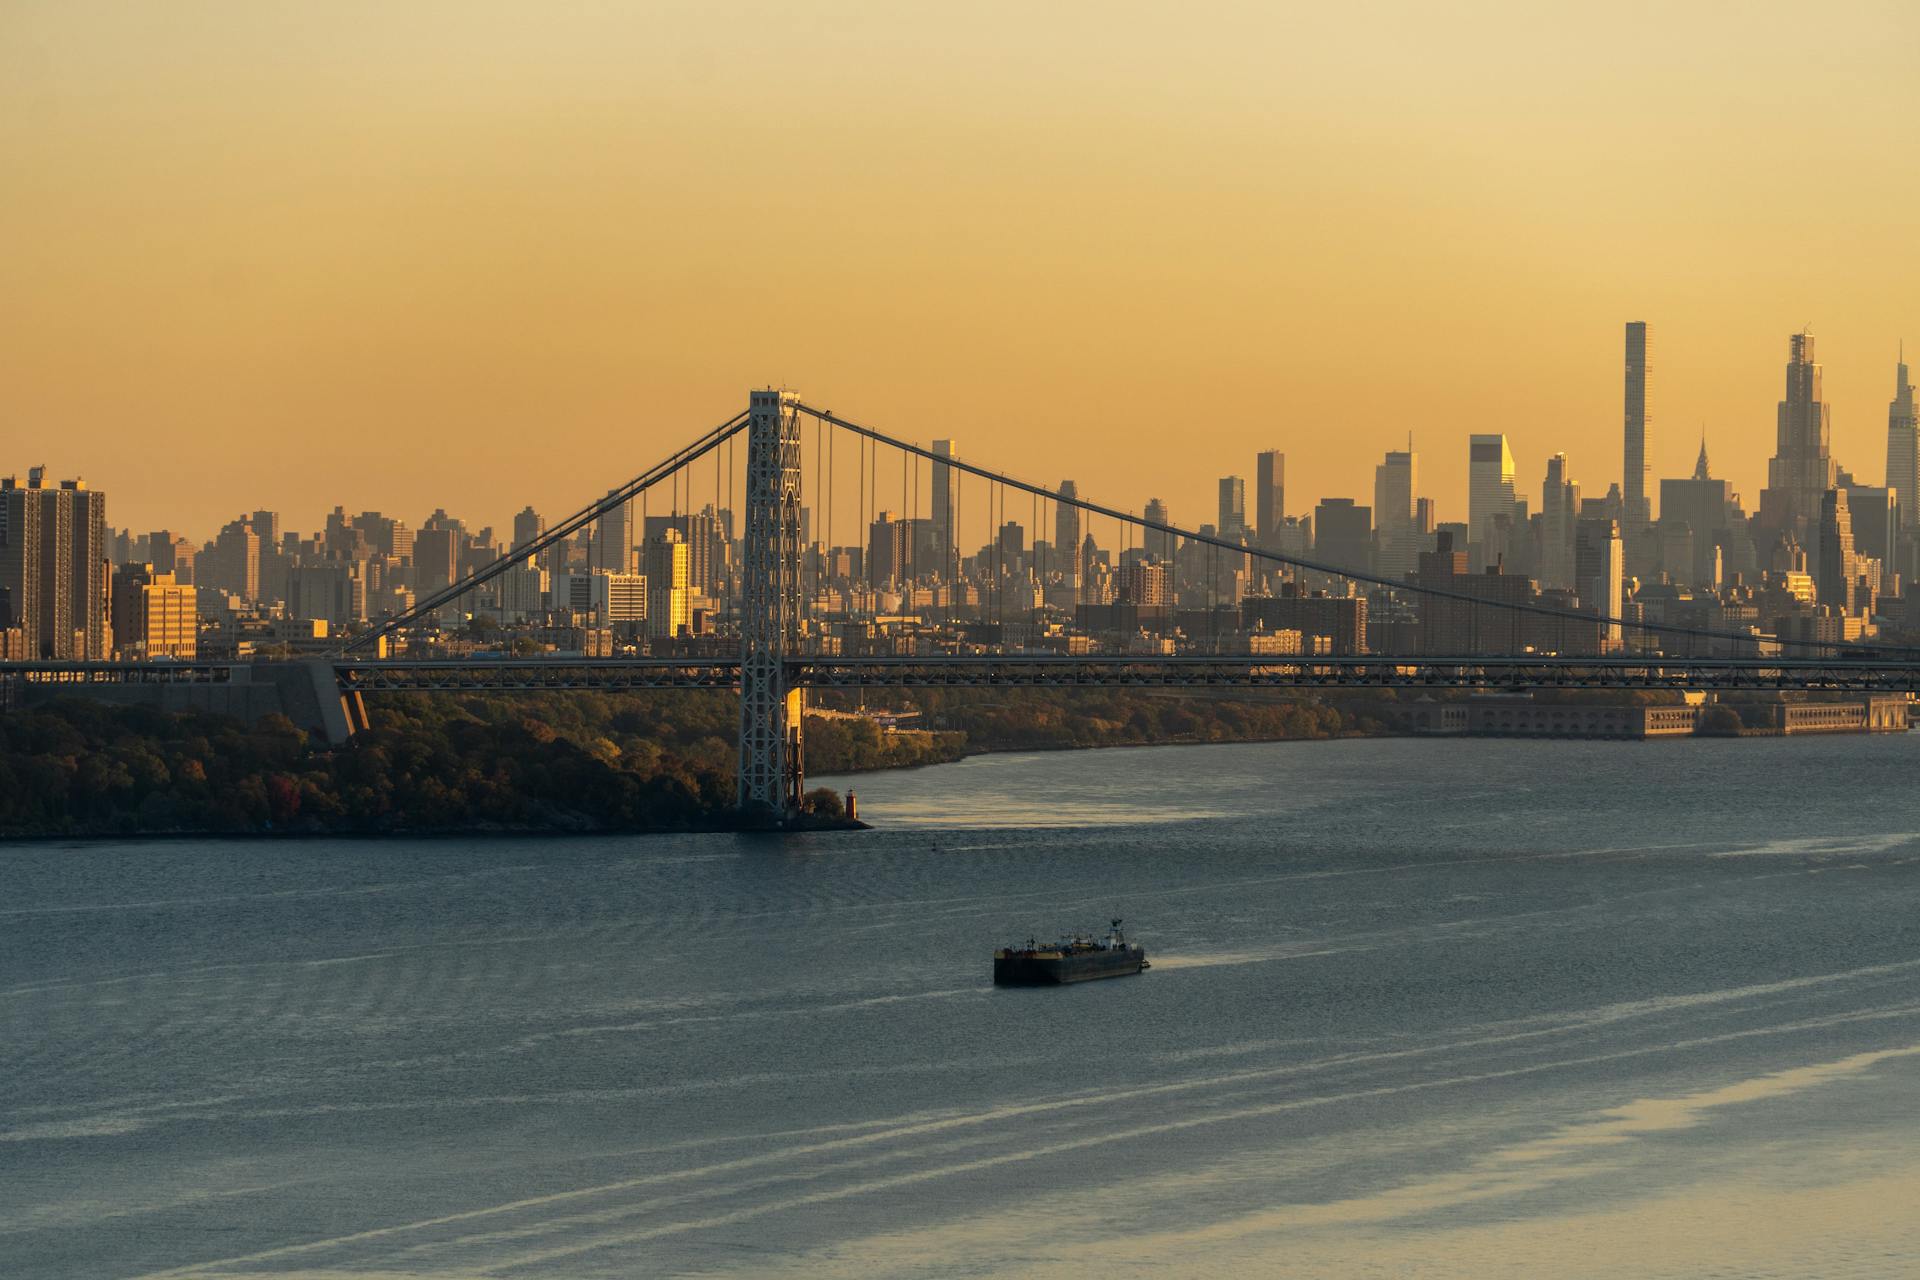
(1373, 671)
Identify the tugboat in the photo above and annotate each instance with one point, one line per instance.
(1072, 959)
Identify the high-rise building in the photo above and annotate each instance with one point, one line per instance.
(153, 616)
(668, 577)
(1490, 492)
(1709, 513)
(1633, 481)
(1833, 565)
(53, 568)
(1269, 494)
(942, 512)
(435, 560)
(1068, 528)
(1158, 545)
(1233, 507)
(1343, 534)
(1599, 570)
(1903, 448)
(1802, 468)
(528, 525)
(1559, 510)
(612, 548)
(1398, 544)
(232, 564)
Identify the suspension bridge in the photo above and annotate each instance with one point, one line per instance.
(779, 657)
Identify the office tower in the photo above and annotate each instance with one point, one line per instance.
(1833, 565)
(1269, 494)
(1707, 510)
(1875, 511)
(1559, 511)
(528, 525)
(1423, 523)
(171, 553)
(668, 575)
(887, 551)
(1903, 448)
(1158, 545)
(1398, 545)
(942, 509)
(1343, 534)
(435, 560)
(1068, 528)
(1599, 569)
(1633, 481)
(53, 568)
(611, 550)
(1490, 492)
(1801, 469)
(1233, 508)
(153, 616)
(232, 561)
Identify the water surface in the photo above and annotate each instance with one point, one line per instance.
(1473, 1008)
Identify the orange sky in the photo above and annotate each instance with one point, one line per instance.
(477, 254)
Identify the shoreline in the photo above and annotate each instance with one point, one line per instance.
(726, 823)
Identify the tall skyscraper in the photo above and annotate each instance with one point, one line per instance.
(1067, 529)
(1801, 469)
(1834, 570)
(1559, 510)
(669, 571)
(941, 512)
(612, 550)
(1158, 545)
(528, 525)
(1269, 494)
(1343, 534)
(1398, 545)
(53, 568)
(1490, 491)
(1233, 507)
(1599, 570)
(1903, 448)
(1633, 481)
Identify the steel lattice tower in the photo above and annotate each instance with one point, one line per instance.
(771, 714)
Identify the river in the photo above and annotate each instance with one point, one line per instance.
(1441, 1008)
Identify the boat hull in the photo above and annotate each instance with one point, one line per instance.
(1018, 970)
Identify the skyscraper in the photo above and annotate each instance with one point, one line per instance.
(1158, 545)
(1833, 568)
(1233, 507)
(612, 550)
(528, 525)
(1559, 510)
(1489, 484)
(1398, 544)
(1801, 469)
(53, 568)
(1633, 481)
(1067, 527)
(942, 511)
(1269, 494)
(1599, 568)
(1903, 448)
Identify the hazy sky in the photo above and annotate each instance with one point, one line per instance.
(477, 254)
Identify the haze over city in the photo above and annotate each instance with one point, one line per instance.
(481, 255)
(567, 573)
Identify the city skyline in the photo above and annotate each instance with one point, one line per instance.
(1076, 256)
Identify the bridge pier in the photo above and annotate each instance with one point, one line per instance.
(772, 709)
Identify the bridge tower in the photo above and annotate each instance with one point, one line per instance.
(772, 715)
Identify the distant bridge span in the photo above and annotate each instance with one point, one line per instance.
(1029, 671)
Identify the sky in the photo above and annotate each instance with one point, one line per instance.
(474, 255)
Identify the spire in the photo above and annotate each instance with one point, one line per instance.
(1700, 467)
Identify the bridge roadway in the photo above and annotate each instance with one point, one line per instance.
(1848, 674)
